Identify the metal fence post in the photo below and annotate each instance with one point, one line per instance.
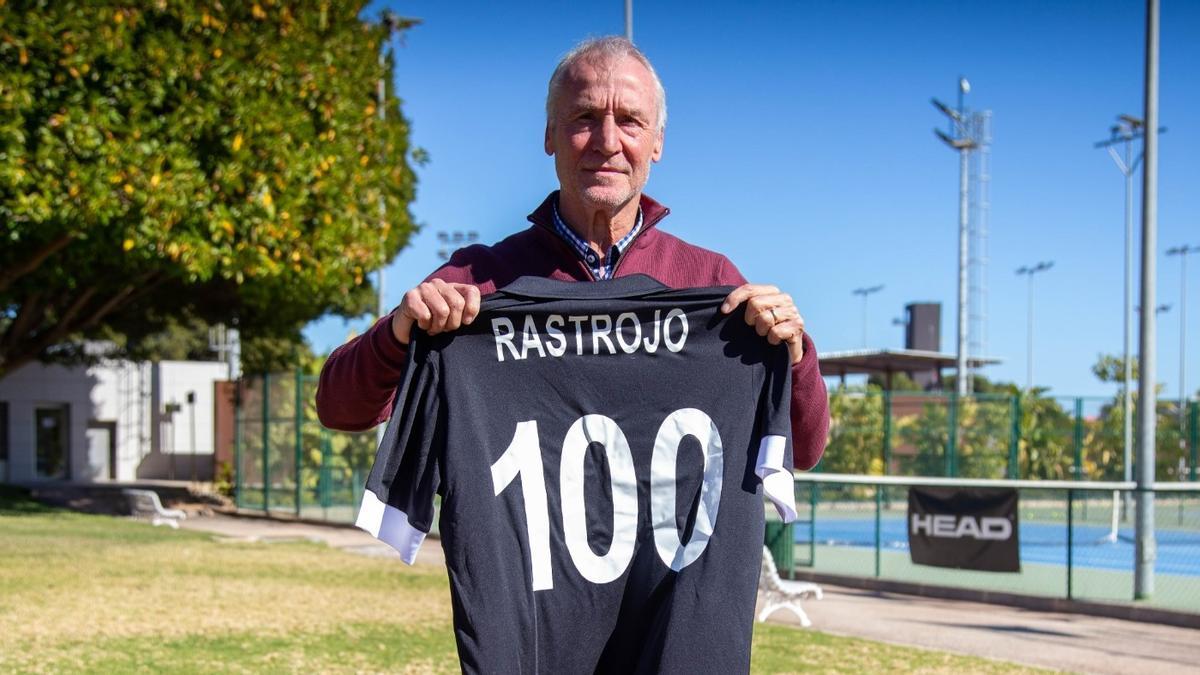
(1078, 469)
(1070, 541)
(878, 527)
(812, 524)
(952, 437)
(1014, 445)
(887, 432)
(237, 444)
(1194, 440)
(266, 441)
(325, 489)
(298, 424)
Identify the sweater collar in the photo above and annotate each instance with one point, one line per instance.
(652, 212)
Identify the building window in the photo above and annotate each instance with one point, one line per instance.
(52, 447)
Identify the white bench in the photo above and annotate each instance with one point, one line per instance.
(145, 503)
(781, 594)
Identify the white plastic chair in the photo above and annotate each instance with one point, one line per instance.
(146, 503)
(783, 594)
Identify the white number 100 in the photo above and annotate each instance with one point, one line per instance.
(523, 457)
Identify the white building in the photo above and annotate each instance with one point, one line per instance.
(118, 420)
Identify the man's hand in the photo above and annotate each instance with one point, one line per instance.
(436, 307)
(772, 313)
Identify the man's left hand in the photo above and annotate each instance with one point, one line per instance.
(772, 313)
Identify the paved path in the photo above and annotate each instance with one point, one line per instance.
(1061, 641)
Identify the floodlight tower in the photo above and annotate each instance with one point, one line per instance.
(1029, 272)
(864, 292)
(963, 142)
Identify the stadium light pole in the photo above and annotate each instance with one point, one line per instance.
(963, 143)
(452, 240)
(1029, 272)
(1182, 252)
(1127, 129)
(1144, 547)
(629, 20)
(865, 292)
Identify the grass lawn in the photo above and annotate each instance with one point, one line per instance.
(83, 593)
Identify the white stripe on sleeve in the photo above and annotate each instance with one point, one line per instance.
(777, 481)
(389, 525)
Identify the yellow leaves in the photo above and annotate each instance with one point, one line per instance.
(266, 198)
(127, 245)
(327, 219)
(228, 227)
(237, 143)
(284, 215)
(258, 12)
(128, 189)
(73, 190)
(217, 53)
(23, 57)
(155, 180)
(74, 72)
(295, 256)
(173, 250)
(118, 17)
(370, 110)
(364, 160)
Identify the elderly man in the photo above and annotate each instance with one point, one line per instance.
(605, 118)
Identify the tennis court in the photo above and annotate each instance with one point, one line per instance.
(1041, 543)
(1076, 539)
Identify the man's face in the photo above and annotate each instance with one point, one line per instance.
(604, 133)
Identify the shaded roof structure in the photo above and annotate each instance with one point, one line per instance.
(888, 361)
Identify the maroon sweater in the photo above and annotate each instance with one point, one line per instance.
(359, 379)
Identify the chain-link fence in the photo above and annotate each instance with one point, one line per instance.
(285, 461)
(1022, 436)
(1075, 542)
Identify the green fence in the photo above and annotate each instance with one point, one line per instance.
(285, 461)
(1076, 538)
(998, 436)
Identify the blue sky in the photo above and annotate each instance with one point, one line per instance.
(799, 144)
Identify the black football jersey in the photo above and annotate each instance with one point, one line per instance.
(602, 451)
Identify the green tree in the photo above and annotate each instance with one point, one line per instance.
(855, 432)
(1046, 438)
(1105, 436)
(191, 161)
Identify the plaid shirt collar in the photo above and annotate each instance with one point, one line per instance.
(601, 269)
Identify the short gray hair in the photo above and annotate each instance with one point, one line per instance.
(598, 50)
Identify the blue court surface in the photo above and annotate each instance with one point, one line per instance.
(1041, 543)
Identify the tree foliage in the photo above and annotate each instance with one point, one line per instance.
(191, 161)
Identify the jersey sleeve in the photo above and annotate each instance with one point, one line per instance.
(397, 505)
(774, 465)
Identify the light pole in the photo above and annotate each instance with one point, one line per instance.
(629, 20)
(864, 292)
(1029, 272)
(1145, 547)
(1127, 129)
(1182, 252)
(453, 240)
(962, 142)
